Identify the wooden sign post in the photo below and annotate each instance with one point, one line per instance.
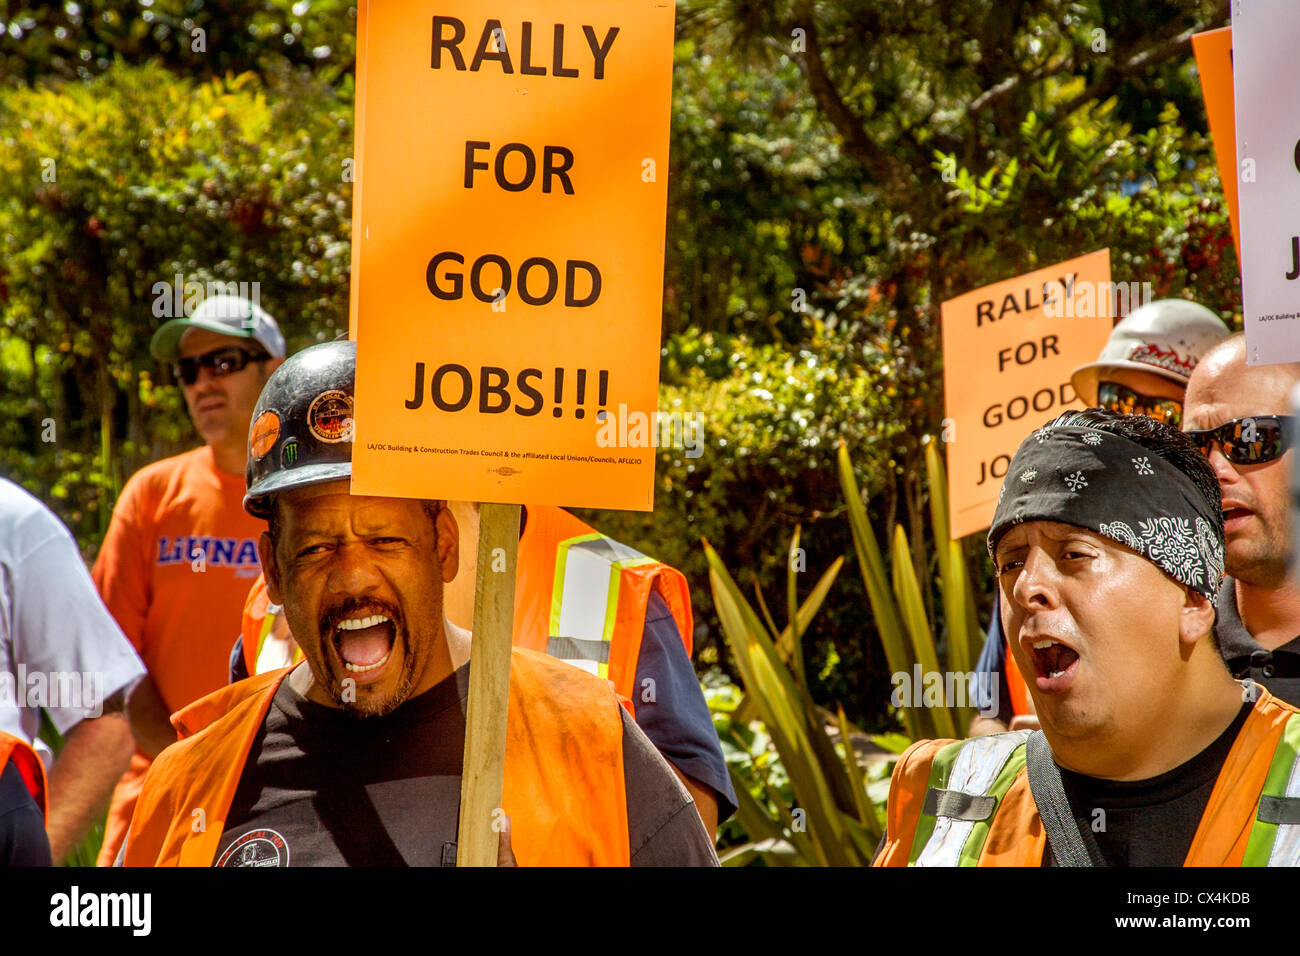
(489, 688)
(509, 210)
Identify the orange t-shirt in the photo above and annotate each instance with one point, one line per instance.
(174, 570)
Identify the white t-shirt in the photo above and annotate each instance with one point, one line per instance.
(60, 649)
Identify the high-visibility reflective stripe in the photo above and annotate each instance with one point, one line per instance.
(978, 763)
(1286, 842)
(584, 601)
(268, 623)
(561, 570)
(276, 656)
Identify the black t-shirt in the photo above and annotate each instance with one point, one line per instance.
(682, 732)
(22, 831)
(1278, 669)
(1149, 822)
(323, 788)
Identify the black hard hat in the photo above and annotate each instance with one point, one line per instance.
(302, 426)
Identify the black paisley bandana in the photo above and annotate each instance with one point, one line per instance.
(1096, 479)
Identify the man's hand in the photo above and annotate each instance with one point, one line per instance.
(150, 719)
(95, 754)
(505, 855)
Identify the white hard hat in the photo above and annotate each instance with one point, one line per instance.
(1166, 337)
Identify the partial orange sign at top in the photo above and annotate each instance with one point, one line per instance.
(1008, 352)
(509, 215)
(1213, 51)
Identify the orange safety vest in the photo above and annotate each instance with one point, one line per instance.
(1015, 683)
(29, 767)
(1012, 834)
(256, 625)
(564, 790)
(579, 596)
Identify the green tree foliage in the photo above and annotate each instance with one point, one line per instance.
(882, 156)
(80, 39)
(837, 170)
(108, 190)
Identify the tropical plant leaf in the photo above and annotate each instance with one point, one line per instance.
(889, 624)
(908, 591)
(865, 808)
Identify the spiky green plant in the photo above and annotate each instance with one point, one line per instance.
(833, 821)
(827, 817)
(898, 604)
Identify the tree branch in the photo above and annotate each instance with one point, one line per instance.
(848, 124)
(1015, 81)
(1152, 55)
(1142, 60)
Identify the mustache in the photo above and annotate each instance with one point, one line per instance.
(358, 607)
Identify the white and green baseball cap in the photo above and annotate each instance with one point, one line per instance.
(231, 315)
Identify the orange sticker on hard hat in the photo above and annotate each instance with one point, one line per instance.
(262, 436)
(330, 416)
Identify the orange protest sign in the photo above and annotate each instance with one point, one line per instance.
(509, 214)
(1008, 351)
(1213, 51)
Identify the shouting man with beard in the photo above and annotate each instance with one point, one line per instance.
(353, 757)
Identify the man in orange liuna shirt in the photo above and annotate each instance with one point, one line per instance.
(353, 757)
(181, 552)
(1108, 543)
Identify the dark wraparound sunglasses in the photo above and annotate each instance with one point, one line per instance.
(1248, 441)
(222, 361)
(1118, 398)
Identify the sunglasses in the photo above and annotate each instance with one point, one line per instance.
(1118, 398)
(222, 361)
(1247, 441)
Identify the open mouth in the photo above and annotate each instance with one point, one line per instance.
(1054, 664)
(1234, 516)
(364, 644)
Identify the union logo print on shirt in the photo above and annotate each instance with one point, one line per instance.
(237, 553)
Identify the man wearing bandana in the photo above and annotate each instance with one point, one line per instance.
(1108, 544)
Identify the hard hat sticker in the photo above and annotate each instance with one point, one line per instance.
(262, 436)
(330, 416)
(289, 453)
(256, 848)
